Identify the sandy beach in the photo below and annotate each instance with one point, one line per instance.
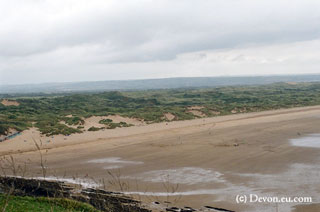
(207, 161)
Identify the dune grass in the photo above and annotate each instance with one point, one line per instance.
(42, 204)
(47, 112)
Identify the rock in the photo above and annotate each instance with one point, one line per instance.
(185, 209)
(98, 198)
(173, 209)
(188, 209)
(218, 209)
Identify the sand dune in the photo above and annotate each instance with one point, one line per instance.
(212, 159)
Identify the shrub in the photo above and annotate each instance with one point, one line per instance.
(94, 129)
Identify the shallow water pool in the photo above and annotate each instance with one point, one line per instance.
(312, 140)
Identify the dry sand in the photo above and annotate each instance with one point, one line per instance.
(196, 110)
(93, 121)
(7, 102)
(169, 116)
(212, 159)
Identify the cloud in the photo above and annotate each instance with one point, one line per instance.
(55, 37)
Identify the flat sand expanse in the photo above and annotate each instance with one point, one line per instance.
(193, 163)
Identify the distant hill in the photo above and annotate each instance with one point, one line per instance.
(146, 84)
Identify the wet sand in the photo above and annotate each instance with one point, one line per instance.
(211, 159)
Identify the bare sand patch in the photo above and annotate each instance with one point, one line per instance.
(7, 102)
(93, 121)
(214, 112)
(134, 121)
(197, 113)
(169, 116)
(196, 110)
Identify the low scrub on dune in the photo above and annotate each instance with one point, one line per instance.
(47, 112)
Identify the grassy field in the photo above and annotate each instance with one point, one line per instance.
(47, 112)
(42, 204)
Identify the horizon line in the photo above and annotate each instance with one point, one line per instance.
(162, 78)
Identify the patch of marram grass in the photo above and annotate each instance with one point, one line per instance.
(112, 125)
(42, 204)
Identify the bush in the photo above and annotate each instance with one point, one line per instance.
(94, 129)
(105, 121)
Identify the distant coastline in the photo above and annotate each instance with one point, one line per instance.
(150, 84)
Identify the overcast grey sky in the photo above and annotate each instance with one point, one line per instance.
(77, 40)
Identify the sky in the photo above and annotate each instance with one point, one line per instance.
(75, 40)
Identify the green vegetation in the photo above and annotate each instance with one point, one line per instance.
(3, 129)
(75, 120)
(49, 127)
(115, 125)
(105, 121)
(94, 129)
(111, 125)
(41, 204)
(49, 113)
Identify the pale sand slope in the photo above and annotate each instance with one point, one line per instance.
(213, 159)
(93, 121)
